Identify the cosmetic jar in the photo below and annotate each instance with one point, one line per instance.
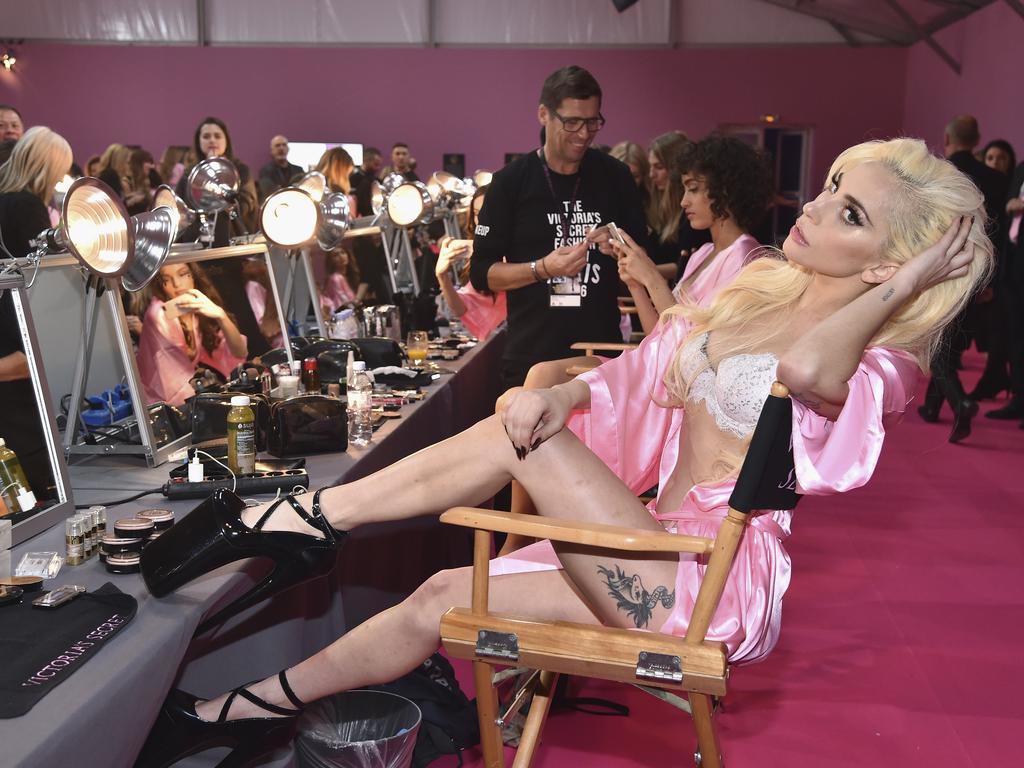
(162, 519)
(123, 564)
(26, 583)
(134, 528)
(114, 545)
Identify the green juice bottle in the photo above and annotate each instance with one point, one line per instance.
(241, 436)
(11, 477)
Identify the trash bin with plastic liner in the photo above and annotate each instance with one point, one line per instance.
(358, 729)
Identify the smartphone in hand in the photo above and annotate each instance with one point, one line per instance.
(616, 235)
(173, 307)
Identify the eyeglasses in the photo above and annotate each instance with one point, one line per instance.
(575, 124)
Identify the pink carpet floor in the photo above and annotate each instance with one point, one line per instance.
(902, 635)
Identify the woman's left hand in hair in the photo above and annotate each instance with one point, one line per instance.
(948, 259)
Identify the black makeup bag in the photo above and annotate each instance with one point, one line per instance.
(210, 417)
(307, 424)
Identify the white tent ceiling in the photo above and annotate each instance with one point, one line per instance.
(648, 23)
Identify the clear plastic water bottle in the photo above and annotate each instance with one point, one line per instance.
(360, 396)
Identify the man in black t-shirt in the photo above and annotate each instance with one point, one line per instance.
(542, 234)
(362, 178)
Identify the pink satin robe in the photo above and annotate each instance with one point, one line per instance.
(719, 273)
(258, 296)
(483, 313)
(639, 440)
(337, 292)
(165, 366)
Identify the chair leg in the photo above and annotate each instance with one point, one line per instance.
(710, 755)
(535, 719)
(487, 712)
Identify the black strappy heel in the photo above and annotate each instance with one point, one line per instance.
(179, 732)
(213, 534)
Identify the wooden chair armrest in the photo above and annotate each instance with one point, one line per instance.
(627, 310)
(576, 370)
(589, 347)
(575, 532)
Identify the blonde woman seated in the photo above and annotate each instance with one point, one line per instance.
(889, 252)
(480, 312)
(185, 327)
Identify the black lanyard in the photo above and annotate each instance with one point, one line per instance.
(566, 217)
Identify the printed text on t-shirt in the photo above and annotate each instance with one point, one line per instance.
(580, 223)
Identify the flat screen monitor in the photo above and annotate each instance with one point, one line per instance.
(306, 154)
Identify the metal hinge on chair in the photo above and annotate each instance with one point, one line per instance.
(501, 645)
(659, 666)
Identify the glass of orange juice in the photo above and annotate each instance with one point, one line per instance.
(416, 348)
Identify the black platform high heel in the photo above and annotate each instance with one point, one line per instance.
(179, 732)
(213, 534)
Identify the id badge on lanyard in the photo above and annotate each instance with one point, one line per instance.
(563, 291)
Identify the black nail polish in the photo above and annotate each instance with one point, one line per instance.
(536, 444)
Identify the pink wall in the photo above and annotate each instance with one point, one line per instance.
(476, 101)
(988, 45)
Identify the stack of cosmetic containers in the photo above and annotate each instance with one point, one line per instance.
(122, 551)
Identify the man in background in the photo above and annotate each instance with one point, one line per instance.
(401, 162)
(540, 226)
(960, 139)
(11, 125)
(278, 172)
(362, 179)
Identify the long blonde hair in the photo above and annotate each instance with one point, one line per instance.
(39, 160)
(663, 209)
(115, 157)
(931, 197)
(633, 154)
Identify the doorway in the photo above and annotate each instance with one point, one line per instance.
(788, 149)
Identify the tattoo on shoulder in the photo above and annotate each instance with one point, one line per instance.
(633, 597)
(888, 294)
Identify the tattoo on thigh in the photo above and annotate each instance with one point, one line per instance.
(633, 597)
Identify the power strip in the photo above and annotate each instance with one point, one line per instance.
(261, 482)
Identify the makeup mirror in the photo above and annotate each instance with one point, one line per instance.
(27, 422)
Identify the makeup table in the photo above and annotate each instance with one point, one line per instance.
(101, 714)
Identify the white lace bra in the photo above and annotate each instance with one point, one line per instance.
(735, 393)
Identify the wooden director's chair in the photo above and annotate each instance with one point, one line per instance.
(591, 348)
(690, 665)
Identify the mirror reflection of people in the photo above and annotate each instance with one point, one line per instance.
(185, 327)
(38, 161)
(337, 274)
(480, 312)
(341, 273)
(261, 299)
(212, 139)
